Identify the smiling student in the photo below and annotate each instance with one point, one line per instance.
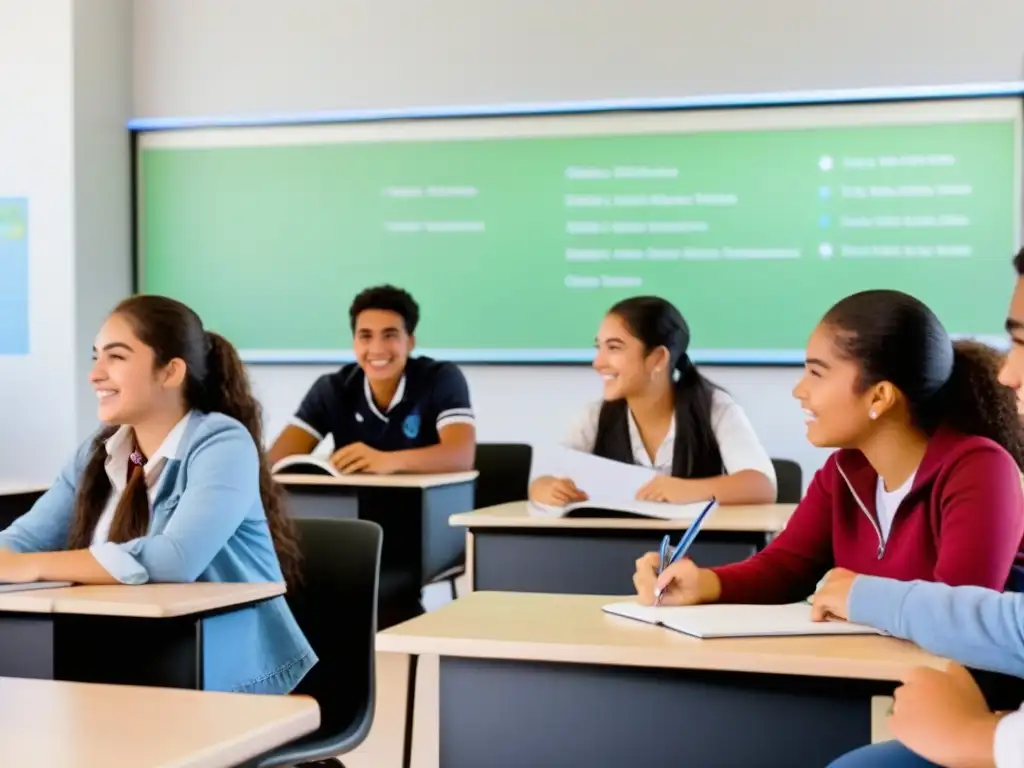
(658, 411)
(174, 489)
(942, 718)
(387, 412)
(926, 484)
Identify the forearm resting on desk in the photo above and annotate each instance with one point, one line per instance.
(76, 565)
(455, 453)
(745, 487)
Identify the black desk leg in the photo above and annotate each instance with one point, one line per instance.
(164, 653)
(410, 711)
(27, 646)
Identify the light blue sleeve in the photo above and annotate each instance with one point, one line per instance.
(222, 486)
(46, 526)
(974, 626)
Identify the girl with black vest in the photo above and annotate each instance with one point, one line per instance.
(658, 411)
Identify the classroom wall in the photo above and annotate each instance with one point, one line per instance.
(230, 57)
(63, 146)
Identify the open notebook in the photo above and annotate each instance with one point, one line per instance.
(710, 621)
(8, 587)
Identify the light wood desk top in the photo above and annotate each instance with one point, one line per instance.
(145, 601)
(573, 629)
(379, 481)
(85, 725)
(12, 488)
(769, 518)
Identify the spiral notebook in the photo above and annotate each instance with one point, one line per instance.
(714, 621)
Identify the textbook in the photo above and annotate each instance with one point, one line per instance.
(7, 586)
(633, 508)
(722, 620)
(305, 465)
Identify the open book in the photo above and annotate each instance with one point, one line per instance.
(304, 465)
(628, 508)
(611, 488)
(720, 620)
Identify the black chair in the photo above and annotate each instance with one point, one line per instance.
(790, 481)
(336, 607)
(504, 475)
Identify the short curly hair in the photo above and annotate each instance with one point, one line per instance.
(390, 299)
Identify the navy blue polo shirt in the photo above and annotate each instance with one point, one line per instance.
(430, 396)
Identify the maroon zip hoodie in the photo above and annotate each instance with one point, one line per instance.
(961, 523)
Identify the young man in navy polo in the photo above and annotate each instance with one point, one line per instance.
(387, 412)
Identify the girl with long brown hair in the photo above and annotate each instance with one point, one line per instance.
(175, 488)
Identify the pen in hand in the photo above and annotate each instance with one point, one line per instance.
(681, 549)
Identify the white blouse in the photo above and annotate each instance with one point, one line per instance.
(737, 441)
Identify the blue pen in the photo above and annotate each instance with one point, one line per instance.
(683, 546)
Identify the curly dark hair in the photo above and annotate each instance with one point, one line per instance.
(390, 299)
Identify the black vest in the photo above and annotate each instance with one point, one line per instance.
(612, 442)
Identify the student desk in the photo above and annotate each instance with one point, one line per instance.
(151, 634)
(16, 499)
(540, 679)
(512, 550)
(49, 723)
(413, 511)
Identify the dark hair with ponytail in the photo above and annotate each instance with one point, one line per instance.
(216, 381)
(657, 323)
(895, 337)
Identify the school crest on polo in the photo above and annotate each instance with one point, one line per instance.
(411, 425)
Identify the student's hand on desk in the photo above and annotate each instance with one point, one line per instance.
(359, 457)
(943, 717)
(556, 492)
(17, 568)
(671, 490)
(683, 582)
(831, 599)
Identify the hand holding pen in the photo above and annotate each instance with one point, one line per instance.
(669, 578)
(680, 551)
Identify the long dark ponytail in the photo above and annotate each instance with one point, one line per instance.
(658, 323)
(216, 382)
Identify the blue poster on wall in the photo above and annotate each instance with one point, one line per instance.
(13, 276)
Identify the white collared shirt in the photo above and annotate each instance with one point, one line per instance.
(737, 441)
(119, 449)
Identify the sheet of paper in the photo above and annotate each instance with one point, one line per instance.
(722, 620)
(603, 480)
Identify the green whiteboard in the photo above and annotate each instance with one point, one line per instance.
(516, 234)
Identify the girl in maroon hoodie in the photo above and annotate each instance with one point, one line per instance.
(926, 483)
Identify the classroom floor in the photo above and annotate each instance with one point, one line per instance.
(383, 747)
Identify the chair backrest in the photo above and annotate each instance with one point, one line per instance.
(790, 480)
(504, 473)
(336, 607)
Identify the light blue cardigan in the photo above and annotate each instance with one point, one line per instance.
(207, 524)
(972, 625)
